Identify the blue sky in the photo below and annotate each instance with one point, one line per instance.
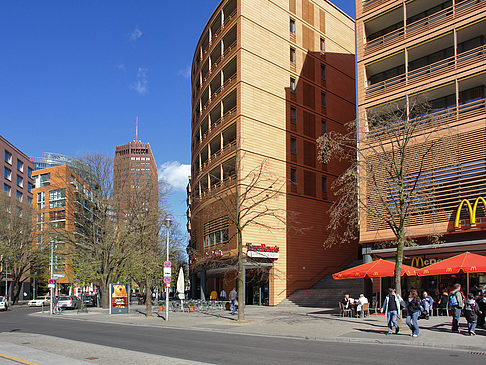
(74, 74)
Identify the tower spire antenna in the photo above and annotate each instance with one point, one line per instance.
(136, 129)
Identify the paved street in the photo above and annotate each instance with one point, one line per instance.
(115, 343)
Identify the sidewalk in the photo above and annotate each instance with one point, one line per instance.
(308, 323)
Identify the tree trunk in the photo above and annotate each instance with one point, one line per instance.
(16, 290)
(241, 280)
(398, 263)
(148, 298)
(105, 295)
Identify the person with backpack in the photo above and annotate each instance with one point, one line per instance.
(456, 304)
(471, 312)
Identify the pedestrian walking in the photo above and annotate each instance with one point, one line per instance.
(414, 309)
(391, 307)
(471, 312)
(481, 300)
(456, 304)
(222, 295)
(232, 297)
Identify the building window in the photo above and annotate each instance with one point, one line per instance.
(29, 200)
(292, 85)
(20, 196)
(324, 184)
(40, 222)
(57, 198)
(323, 72)
(292, 26)
(42, 180)
(292, 56)
(293, 115)
(29, 172)
(41, 200)
(323, 45)
(29, 187)
(323, 100)
(20, 165)
(20, 181)
(7, 174)
(57, 215)
(8, 157)
(293, 176)
(293, 146)
(323, 127)
(7, 189)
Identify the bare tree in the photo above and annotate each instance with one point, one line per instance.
(97, 249)
(247, 203)
(391, 174)
(22, 254)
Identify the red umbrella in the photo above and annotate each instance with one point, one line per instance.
(375, 269)
(465, 262)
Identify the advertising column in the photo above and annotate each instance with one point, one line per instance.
(119, 298)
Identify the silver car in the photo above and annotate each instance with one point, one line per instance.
(70, 302)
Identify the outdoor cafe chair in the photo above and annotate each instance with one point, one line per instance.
(345, 311)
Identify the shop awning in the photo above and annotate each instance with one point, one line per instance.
(465, 262)
(375, 269)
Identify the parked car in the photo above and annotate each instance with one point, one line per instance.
(38, 302)
(70, 302)
(3, 303)
(89, 300)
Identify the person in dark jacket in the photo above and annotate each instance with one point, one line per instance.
(481, 300)
(471, 312)
(456, 304)
(444, 300)
(414, 310)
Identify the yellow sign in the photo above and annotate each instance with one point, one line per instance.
(472, 210)
(419, 261)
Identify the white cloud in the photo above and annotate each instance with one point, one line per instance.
(142, 83)
(175, 174)
(185, 72)
(137, 33)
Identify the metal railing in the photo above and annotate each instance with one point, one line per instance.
(463, 59)
(460, 9)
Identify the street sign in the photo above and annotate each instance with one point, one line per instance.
(51, 281)
(167, 271)
(167, 279)
(167, 264)
(168, 285)
(57, 276)
(51, 285)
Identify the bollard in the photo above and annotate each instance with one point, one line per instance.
(42, 307)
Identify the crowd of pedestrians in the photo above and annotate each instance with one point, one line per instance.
(473, 307)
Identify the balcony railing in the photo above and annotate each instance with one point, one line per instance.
(476, 55)
(208, 192)
(439, 117)
(217, 35)
(432, 21)
(220, 153)
(215, 95)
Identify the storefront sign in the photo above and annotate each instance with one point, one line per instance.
(471, 208)
(420, 261)
(119, 298)
(262, 251)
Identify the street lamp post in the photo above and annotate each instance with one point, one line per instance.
(52, 273)
(167, 223)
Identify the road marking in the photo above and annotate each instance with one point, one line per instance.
(16, 359)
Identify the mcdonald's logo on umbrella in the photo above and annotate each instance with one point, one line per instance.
(473, 268)
(471, 208)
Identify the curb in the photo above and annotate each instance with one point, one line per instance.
(311, 338)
